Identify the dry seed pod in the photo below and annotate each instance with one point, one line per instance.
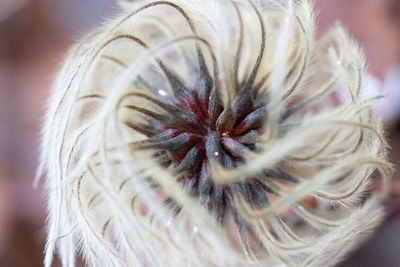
(204, 133)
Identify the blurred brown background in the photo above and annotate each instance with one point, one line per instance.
(34, 37)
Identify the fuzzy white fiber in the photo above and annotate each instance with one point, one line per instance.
(310, 169)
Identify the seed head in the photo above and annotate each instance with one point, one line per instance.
(206, 133)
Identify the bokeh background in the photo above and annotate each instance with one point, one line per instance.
(34, 37)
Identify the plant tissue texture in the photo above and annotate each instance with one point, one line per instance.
(208, 133)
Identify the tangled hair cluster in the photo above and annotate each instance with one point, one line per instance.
(208, 133)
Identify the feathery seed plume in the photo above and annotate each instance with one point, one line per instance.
(206, 133)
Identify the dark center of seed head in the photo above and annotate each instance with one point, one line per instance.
(198, 131)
